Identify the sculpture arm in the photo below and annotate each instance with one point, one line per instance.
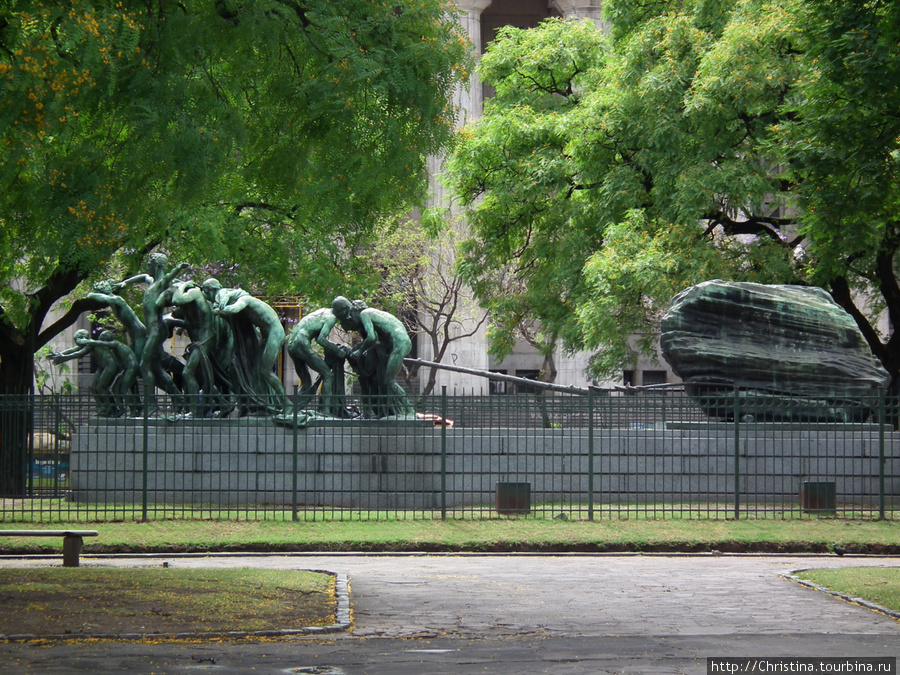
(185, 293)
(100, 297)
(328, 345)
(173, 321)
(136, 279)
(97, 343)
(370, 337)
(69, 354)
(234, 307)
(172, 274)
(120, 308)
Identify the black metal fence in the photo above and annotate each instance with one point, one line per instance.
(611, 454)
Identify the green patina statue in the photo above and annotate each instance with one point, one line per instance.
(261, 337)
(315, 328)
(196, 313)
(113, 382)
(155, 362)
(107, 293)
(378, 359)
(235, 342)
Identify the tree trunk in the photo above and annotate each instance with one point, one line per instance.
(16, 378)
(548, 369)
(438, 356)
(17, 348)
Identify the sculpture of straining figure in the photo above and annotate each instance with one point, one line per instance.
(107, 292)
(113, 396)
(315, 327)
(378, 359)
(197, 314)
(157, 296)
(243, 308)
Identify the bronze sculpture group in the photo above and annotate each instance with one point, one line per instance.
(235, 340)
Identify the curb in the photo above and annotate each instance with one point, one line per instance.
(862, 602)
(342, 623)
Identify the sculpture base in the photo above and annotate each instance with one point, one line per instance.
(372, 465)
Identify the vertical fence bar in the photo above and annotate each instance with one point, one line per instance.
(881, 422)
(57, 458)
(444, 452)
(145, 458)
(590, 404)
(737, 455)
(294, 514)
(28, 412)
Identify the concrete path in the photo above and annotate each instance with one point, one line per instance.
(524, 613)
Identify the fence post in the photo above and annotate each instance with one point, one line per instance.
(882, 417)
(145, 458)
(590, 403)
(57, 425)
(294, 515)
(737, 455)
(444, 452)
(28, 413)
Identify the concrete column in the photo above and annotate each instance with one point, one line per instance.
(581, 9)
(471, 102)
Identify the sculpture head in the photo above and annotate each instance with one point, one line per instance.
(347, 312)
(81, 334)
(105, 286)
(341, 307)
(157, 262)
(107, 336)
(210, 287)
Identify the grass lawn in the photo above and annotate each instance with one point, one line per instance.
(95, 600)
(880, 585)
(523, 534)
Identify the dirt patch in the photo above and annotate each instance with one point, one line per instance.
(94, 601)
(504, 547)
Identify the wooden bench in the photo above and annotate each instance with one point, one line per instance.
(73, 541)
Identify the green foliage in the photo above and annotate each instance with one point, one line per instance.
(737, 139)
(841, 136)
(265, 133)
(515, 171)
(49, 377)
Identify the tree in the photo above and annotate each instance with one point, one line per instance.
(416, 279)
(270, 133)
(512, 172)
(734, 139)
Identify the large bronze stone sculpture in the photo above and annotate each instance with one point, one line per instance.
(770, 352)
(235, 342)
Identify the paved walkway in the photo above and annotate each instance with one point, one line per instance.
(478, 595)
(652, 603)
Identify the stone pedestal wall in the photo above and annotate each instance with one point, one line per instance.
(390, 467)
